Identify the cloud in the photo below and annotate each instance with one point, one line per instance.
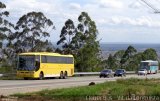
(17, 8)
(135, 5)
(144, 21)
(110, 4)
(75, 6)
(23, 5)
(141, 21)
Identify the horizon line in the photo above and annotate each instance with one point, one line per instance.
(123, 43)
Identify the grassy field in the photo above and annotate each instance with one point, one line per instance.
(108, 90)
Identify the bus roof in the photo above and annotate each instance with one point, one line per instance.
(45, 53)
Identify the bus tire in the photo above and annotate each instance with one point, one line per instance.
(65, 75)
(41, 76)
(156, 72)
(61, 75)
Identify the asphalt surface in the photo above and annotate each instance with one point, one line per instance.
(8, 87)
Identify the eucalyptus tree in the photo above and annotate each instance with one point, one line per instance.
(32, 32)
(150, 54)
(5, 25)
(136, 59)
(86, 44)
(118, 56)
(6, 31)
(129, 53)
(86, 32)
(111, 62)
(67, 33)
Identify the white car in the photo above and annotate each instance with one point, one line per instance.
(142, 72)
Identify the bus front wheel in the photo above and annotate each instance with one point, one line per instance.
(156, 72)
(41, 76)
(61, 75)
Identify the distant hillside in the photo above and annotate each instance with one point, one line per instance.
(139, 47)
(112, 48)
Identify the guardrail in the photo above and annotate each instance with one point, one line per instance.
(7, 74)
(76, 73)
(1, 75)
(86, 73)
(97, 73)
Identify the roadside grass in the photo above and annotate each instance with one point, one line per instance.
(126, 88)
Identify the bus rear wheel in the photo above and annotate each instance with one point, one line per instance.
(65, 75)
(41, 76)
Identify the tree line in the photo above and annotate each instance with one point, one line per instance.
(31, 33)
(129, 59)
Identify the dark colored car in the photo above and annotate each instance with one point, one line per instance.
(106, 73)
(120, 72)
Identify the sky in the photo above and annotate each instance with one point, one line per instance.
(118, 21)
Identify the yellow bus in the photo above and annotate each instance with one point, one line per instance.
(44, 64)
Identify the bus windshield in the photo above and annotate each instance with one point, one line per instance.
(26, 63)
(144, 65)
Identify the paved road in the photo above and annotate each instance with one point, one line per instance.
(8, 87)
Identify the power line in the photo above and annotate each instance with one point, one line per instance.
(151, 6)
(142, 3)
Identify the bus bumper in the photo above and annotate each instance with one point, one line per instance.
(23, 74)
